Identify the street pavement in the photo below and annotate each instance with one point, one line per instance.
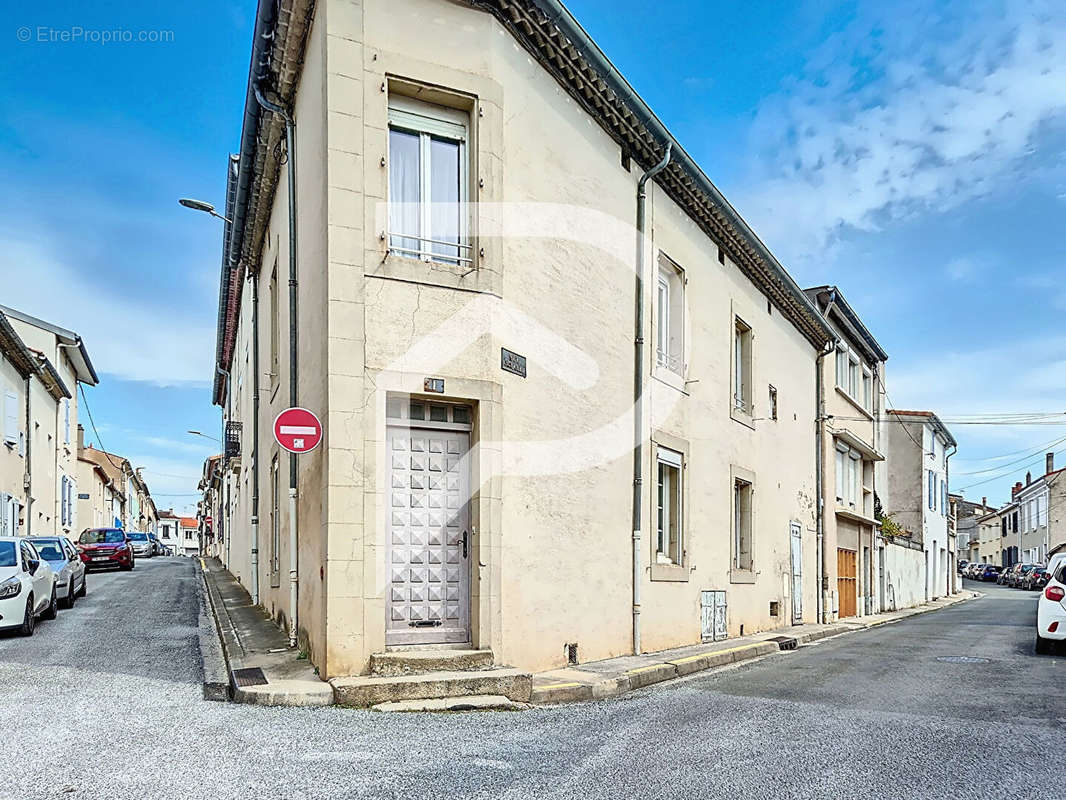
(106, 703)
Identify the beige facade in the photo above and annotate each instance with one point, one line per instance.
(103, 477)
(851, 455)
(42, 413)
(728, 427)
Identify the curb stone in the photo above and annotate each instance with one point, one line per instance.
(213, 661)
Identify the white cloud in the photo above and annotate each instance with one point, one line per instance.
(917, 111)
(961, 269)
(160, 343)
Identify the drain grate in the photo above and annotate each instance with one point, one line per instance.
(785, 642)
(251, 676)
(962, 659)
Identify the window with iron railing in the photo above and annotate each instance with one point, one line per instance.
(233, 439)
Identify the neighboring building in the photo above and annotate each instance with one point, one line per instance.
(189, 541)
(919, 446)
(463, 494)
(211, 512)
(967, 515)
(1041, 521)
(40, 366)
(170, 531)
(852, 381)
(104, 478)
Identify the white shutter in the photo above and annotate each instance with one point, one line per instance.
(4, 516)
(66, 421)
(11, 417)
(73, 504)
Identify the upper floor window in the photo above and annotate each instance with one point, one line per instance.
(742, 366)
(670, 317)
(854, 377)
(428, 181)
(848, 475)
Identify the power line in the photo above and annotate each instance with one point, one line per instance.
(1039, 452)
(92, 422)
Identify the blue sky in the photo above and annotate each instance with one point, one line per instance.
(913, 153)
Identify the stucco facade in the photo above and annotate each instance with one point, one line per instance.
(43, 448)
(547, 457)
(919, 447)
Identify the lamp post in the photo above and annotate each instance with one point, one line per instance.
(200, 205)
(212, 438)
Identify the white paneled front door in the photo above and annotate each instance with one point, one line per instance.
(428, 517)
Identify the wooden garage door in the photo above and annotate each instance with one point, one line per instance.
(846, 582)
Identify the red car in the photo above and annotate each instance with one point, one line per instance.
(105, 547)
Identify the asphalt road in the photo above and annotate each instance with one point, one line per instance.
(105, 703)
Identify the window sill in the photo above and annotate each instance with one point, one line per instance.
(741, 416)
(742, 576)
(465, 277)
(855, 404)
(676, 573)
(672, 379)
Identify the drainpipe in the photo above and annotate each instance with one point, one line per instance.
(290, 145)
(638, 389)
(255, 438)
(27, 482)
(947, 513)
(819, 435)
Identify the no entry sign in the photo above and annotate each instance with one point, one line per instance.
(297, 430)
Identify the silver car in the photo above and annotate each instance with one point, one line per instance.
(63, 557)
(142, 545)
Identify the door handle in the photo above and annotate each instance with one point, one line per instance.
(465, 538)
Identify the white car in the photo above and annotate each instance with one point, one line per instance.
(27, 586)
(66, 564)
(1051, 611)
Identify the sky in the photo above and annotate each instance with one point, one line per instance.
(913, 153)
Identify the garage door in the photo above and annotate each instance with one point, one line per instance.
(847, 584)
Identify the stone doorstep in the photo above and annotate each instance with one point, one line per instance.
(286, 693)
(421, 662)
(368, 690)
(484, 702)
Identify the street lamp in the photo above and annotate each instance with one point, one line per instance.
(212, 438)
(200, 205)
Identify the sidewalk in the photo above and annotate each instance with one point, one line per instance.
(615, 676)
(262, 668)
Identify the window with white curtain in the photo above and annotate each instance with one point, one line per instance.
(669, 527)
(428, 181)
(848, 475)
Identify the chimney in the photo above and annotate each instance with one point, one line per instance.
(984, 502)
(81, 437)
(1050, 463)
(1028, 478)
(1017, 488)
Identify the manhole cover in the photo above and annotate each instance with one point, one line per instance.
(963, 660)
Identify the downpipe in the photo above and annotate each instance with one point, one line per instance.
(638, 388)
(819, 436)
(290, 146)
(255, 439)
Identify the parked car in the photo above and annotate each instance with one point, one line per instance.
(1018, 577)
(989, 573)
(973, 568)
(157, 546)
(1051, 612)
(1005, 574)
(961, 566)
(106, 547)
(1009, 573)
(1030, 579)
(142, 545)
(27, 586)
(65, 562)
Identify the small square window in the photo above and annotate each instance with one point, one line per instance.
(438, 413)
(461, 414)
(418, 411)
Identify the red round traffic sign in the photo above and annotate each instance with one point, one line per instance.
(297, 430)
